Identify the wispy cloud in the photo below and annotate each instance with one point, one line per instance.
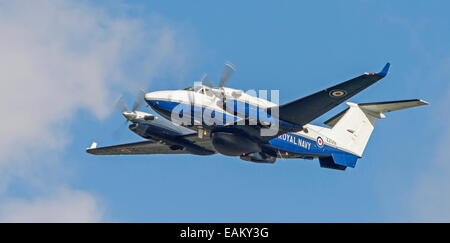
(63, 205)
(58, 57)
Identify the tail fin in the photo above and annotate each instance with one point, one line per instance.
(352, 127)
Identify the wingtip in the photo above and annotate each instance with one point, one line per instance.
(93, 146)
(385, 70)
(423, 102)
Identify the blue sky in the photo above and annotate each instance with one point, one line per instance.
(93, 51)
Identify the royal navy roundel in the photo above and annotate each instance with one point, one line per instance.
(319, 142)
(337, 93)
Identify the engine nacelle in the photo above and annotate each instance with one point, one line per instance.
(232, 144)
(259, 157)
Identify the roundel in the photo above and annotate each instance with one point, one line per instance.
(337, 93)
(319, 142)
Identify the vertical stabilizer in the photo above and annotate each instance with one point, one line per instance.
(352, 127)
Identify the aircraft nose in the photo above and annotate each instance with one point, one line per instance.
(156, 95)
(153, 98)
(149, 96)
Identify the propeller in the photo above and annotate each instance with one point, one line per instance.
(229, 69)
(130, 115)
(205, 79)
(219, 91)
(139, 100)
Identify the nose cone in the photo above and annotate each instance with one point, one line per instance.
(153, 98)
(149, 96)
(157, 95)
(129, 115)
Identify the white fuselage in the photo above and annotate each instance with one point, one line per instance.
(202, 97)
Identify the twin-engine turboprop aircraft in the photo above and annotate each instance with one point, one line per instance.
(205, 120)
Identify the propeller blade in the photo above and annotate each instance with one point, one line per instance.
(129, 115)
(139, 100)
(204, 77)
(118, 132)
(229, 68)
(120, 104)
(206, 81)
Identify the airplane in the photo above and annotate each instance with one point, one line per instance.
(240, 119)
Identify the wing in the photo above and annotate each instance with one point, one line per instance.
(304, 110)
(204, 142)
(146, 147)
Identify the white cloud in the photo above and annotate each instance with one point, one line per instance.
(64, 205)
(61, 56)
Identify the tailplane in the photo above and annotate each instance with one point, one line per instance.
(352, 127)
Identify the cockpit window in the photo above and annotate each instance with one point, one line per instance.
(197, 88)
(191, 88)
(208, 92)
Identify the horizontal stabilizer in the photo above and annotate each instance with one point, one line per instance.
(388, 106)
(379, 107)
(333, 120)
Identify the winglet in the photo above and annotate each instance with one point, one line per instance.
(93, 146)
(385, 70)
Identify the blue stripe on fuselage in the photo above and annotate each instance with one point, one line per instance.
(251, 111)
(294, 143)
(166, 107)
